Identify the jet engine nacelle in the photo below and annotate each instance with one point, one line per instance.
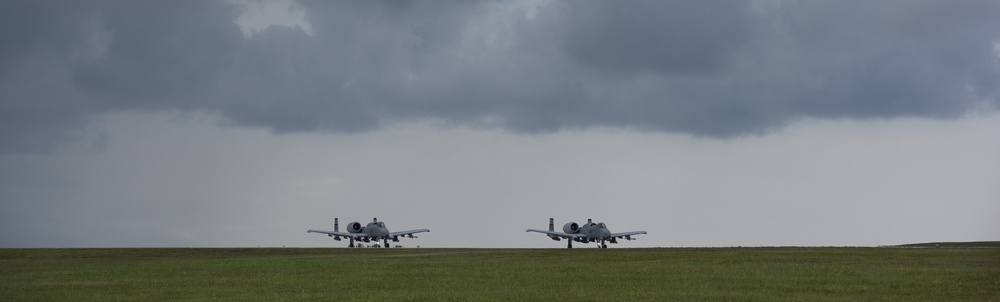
(354, 227)
(571, 227)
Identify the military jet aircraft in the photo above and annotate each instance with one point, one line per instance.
(588, 232)
(375, 230)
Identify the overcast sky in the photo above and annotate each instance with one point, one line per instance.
(705, 123)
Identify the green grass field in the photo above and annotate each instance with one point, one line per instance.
(291, 274)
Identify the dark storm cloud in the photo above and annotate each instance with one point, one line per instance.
(885, 59)
(708, 68)
(161, 54)
(690, 37)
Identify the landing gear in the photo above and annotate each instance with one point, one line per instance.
(569, 243)
(352, 242)
(386, 243)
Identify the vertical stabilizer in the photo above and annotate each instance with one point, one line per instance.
(552, 225)
(336, 226)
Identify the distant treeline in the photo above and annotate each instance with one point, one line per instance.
(990, 244)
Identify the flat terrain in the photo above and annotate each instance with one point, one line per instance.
(966, 273)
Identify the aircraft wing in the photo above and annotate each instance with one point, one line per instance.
(557, 234)
(408, 233)
(626, 234)
(340, 234)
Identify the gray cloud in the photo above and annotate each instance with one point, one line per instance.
(694, 37)
(707, 68)
(161, 54)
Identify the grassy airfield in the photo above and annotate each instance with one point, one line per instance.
(917, 273)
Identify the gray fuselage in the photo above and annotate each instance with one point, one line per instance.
(376, 230)
(593, 232)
